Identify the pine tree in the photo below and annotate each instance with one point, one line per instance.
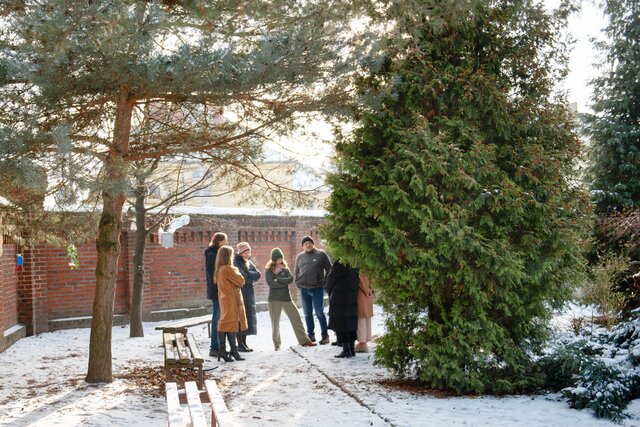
(614, 126)
(74, 75)
(455, 192)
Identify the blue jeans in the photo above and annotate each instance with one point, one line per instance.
(313, 299)
(214, 325)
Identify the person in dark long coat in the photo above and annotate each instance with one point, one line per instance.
(342, 287)
(217, 241)
(251, 274)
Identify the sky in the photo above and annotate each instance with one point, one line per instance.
(583, 25)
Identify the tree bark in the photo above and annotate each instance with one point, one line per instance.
(108, 244)
(136, 329)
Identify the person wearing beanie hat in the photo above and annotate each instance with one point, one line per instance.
(242, 247)
(278, 278)
(276, 254)
(312, 265)
(251, 275)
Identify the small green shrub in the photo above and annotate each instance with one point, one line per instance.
(604, 388)
(601, 291)
(562, 367)
(584, 371)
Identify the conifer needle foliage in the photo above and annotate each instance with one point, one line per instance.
(455, 193)
(614, 126)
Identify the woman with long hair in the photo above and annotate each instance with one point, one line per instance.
(278, 278)
(218, 240)
(233, 318)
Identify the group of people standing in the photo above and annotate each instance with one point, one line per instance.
(230, 286)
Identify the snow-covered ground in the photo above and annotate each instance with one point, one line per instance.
(43, 385)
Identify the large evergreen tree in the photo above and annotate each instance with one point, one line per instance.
(614, 126)
(73, 75)
(455, 192)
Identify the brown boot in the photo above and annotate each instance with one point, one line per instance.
(361, 347)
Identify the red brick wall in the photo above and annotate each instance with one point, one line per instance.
(174, 277)
(8, 287)
(70, 292)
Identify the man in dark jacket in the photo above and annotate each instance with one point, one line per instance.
(311, 267)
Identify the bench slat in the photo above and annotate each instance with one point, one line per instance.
(220, 415)
(183, 352)
(173, 405)
(195, 352)
(180, 325)
(195, 406)
(170, 351)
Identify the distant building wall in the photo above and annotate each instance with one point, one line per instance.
(48, 290)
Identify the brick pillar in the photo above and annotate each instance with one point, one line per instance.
(32, 291)
(3, 316)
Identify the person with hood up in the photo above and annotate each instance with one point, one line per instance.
(342, 287)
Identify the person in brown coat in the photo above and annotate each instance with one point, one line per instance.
(365, 312)
(233, 318)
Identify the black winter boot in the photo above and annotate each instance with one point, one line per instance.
(244, 343)
(234, 346)
(241, 346)
(222, 349)
(352, 348)
(345, 351)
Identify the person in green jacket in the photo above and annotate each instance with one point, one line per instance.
(279, 278)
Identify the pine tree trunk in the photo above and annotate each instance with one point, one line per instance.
(108, 245)
(138, 264)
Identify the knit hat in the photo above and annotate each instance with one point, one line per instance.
(307, 239)
(242, 247)
(276, 253)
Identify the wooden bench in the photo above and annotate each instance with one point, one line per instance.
(194, 398)
(181, 351)
(184, 324)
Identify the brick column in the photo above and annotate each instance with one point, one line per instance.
(33, 310)
(3, 282)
